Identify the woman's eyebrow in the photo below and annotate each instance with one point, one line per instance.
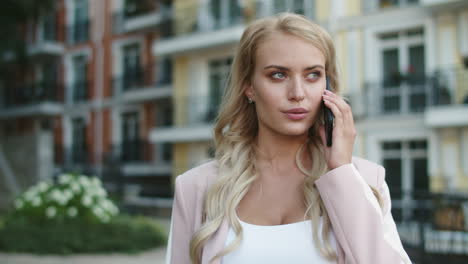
(287, 69)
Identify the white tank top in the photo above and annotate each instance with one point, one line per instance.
(278, 244)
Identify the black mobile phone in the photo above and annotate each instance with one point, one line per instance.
(328, 118)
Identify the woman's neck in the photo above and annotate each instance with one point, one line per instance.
(278, 152)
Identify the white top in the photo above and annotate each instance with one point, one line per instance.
(278, 244)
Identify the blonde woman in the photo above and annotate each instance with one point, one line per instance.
(275, 192)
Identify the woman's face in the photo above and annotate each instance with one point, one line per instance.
(287, 84)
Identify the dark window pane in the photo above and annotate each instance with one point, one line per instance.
(392, 145)
(418, 144)
(391, 72)
(393, 178)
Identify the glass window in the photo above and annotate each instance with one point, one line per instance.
(219, 72)
(80, 77)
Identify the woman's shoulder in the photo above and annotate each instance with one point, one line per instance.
(373, 173)
(199, 176)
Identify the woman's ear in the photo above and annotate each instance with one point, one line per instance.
(249, 92)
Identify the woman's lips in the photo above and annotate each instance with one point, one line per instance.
(296, 113)
(296, 116)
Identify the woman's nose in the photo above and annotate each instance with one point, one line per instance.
(296, 90)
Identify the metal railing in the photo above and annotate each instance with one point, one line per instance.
(433, 226)
(369, 6)
(413, 94)
(140, 9)
(133, 150)
(138, 78)
(33, 93)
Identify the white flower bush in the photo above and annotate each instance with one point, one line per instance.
(72, 197)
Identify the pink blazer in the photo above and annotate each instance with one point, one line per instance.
(365, 232)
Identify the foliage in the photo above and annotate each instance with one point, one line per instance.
(122, 234)
(73, 196)
(74, 215)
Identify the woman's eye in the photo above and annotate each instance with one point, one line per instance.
(278, 75)
(313, 75)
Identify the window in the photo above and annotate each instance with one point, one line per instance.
(48, 28)
(222, 14)
(164, 71)
(295, 6)
(80, 28)
(219, 71)
(406, 166)
(78, 149)
(132, 74)
(132, 146)
(404, 86)
(80, 82)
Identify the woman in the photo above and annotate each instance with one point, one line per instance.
(275, 192)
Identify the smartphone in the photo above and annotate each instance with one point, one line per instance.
(328, 118)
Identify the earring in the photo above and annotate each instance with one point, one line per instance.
(250, 100)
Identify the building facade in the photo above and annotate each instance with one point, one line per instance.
(94, 86)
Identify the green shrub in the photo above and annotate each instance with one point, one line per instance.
(74, 215)
(122, 234)
(72, 197)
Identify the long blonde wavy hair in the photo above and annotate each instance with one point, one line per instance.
(235, 135)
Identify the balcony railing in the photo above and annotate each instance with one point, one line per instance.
(413, 94)
(142, 15)
(208, 16)
(31, 94)
(133, 151)
(136, 79)
(198, 110)
(376, 5)
(78, 32)
(433, 226)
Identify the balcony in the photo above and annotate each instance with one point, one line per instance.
(46, 41)
(196, 26)
(137, 84)
(76, 157)
(433, 227)
(207, 24)
(450, 104)
(141, 158)
(79, 32)
(143, 16)
(399, 96)
(41, 98)
(196, 115)
(371, 6)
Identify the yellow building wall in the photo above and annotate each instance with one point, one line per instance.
(186, 14)
(179, 162)
(342, 54)
(179, 87)
(322, 10)
(353, 7)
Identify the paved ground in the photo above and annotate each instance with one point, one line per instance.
(155, 256)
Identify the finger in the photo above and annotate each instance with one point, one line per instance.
(340, 102)
(343, 107)
(336, 112)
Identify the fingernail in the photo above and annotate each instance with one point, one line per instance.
(328, 92)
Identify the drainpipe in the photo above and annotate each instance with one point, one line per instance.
(10, 178)
(98, 38)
